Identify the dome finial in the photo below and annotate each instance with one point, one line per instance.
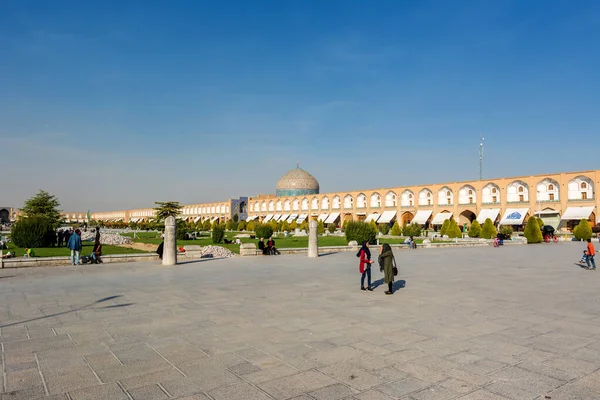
(297, 164)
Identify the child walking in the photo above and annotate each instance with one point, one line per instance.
(591, 252)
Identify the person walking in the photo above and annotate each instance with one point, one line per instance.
(387, 264)
(96, 253)
(365, 266)
(74, 244)
(591, 252)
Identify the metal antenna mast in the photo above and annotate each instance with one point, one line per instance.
(481, 157)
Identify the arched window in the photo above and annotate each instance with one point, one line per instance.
(361, 201)
(348, 201)
(581, 188)
(314, 203)
(425, 197)
(390, 199)
(325, 203)
(336, 203)
(305, 204)
(445, 197)
(375, 200)
(466, 195)
(517, 192)
(407, 199)
(263, 206)
(271, 205)
(296, 205)
(286, 205)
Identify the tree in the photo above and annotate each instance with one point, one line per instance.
(506, 230)
(540, 222)
(264, 231)
(236, 218)
(361, 232)
(321, 228)
(412, 230)
(488, 230)
(331, 228)
(475, 229)
(43, 205)
(304, 226)
(445, 225)
(229, 225)
(242, 225)
(373, 224)
(532, 231)
(396, 231)
(166, 209)
(206, 225)
(294, 225)
(285, 226)
(218, 233)
(453, 231)
(250, 226)
(33, 232)
(583, 230)
(214, 224)
(384, 229)
(274, 225)
(344, 225)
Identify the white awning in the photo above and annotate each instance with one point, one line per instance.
(322, 217)
(214, 219)
(387, 217)
(196, 220)
(268, 218)
(372, 217)
(440, 218)
(251, 218)
(491, 213)
(546, 212)
(421, 217)
(284, 217)
(292, 218)
(577, 213)
(332, 218)
(302, 218)
(514, 216)
(277, 217)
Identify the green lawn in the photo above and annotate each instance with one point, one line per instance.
(281, 242)
(63, 251)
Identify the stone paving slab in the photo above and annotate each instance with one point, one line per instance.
(519, 322)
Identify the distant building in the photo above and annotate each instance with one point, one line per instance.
(561, 200)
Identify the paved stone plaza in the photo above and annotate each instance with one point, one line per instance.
(519, 322)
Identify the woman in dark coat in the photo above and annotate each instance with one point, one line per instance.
(386, 260)
(365, 266)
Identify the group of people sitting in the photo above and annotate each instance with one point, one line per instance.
(269, 248)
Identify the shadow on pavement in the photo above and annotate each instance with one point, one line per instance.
(86, 307)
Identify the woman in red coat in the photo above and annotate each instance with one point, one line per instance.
(365, 266)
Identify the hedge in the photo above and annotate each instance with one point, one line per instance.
(361, 232)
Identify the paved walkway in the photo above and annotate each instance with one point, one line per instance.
(519, 322)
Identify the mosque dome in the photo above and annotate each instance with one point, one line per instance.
(297, 182)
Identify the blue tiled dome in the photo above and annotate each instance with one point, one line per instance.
(297, 182)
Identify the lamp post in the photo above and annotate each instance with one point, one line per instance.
(539, 205)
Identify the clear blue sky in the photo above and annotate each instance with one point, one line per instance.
(117, 104)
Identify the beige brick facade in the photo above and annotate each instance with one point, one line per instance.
(465, 200)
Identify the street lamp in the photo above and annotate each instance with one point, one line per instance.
(539, 205)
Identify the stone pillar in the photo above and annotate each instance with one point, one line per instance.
(170, 242)
(313, 238)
